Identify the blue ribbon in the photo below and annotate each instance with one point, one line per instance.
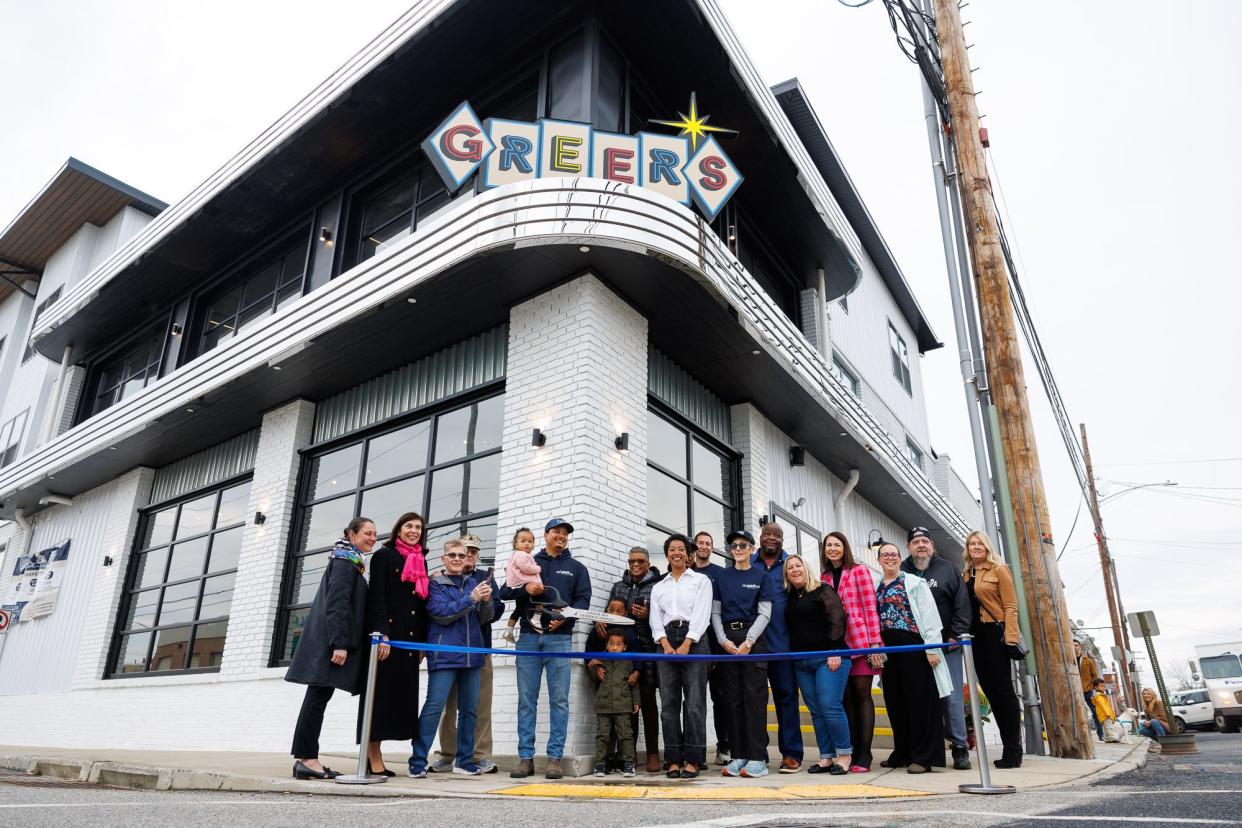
(634, 655)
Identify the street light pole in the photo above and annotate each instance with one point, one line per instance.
(1120, 638)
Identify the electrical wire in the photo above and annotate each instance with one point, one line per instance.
(1073, 526)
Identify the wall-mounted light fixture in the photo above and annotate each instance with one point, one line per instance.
(797, 456)
(538, 439)
(325, 236)
(623, 441)
(107, 560)
(259, 518)
(176, 329)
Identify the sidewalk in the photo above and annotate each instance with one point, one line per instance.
(270, 772)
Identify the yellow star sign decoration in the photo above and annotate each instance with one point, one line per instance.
(694, 125)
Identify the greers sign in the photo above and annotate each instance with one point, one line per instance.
(511, 151)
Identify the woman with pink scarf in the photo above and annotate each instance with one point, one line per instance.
(396, 607)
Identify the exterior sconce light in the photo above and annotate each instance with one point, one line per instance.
(259, 518)
(732, 232)
(623, 441)
(107, 560)
(325, 236)
(797, 456)
(538, 439)
(176, 329)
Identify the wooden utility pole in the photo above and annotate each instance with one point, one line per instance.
(1106, 569)
(1065, 714)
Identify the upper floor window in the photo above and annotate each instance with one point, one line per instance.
(915, 454)
(34, 323)
(390, 208)
(179, 588)
(847, 377)
(127, 372)
(258, 291)
(901, 358)
(11, 434)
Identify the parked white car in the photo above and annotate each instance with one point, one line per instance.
(1192, 709)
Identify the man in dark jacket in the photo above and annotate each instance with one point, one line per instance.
(634, 589)
(569, 578)
(953, 602)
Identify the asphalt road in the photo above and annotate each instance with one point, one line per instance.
(1198, 790)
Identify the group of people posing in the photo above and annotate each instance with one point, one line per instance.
(765, 601)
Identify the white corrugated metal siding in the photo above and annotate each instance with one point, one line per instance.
(205, 468)
(669, 383)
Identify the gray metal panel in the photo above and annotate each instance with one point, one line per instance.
(220, 462)
(468, 364)
(670, 384)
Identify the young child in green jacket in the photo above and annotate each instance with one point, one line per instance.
(616, 699)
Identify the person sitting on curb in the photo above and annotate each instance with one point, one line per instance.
(616, 702)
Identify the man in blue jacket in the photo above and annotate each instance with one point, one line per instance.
(771, 557)
(572, 582)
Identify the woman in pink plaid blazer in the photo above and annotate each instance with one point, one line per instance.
(855, 585)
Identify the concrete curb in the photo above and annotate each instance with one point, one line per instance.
(137, 776)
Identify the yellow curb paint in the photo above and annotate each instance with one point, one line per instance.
(688, 792)
(834, 791)
(691, 792)
(576, 791)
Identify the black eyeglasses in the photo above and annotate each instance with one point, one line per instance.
(637, 561)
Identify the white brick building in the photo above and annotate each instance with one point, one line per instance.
(212, 393)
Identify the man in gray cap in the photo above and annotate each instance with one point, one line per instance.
(953, 603)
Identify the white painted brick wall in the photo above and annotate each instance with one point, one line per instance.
(577, 369)
(260, 567)
(748, 438)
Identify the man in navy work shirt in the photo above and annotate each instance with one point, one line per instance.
(953, 604)
(570, 579)
(703, 564)
(771, 558)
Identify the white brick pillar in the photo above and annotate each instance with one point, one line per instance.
(256, 598)
(129, 493)
(577, 370)
(748, 438)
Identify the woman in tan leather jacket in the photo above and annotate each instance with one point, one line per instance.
(994, 624)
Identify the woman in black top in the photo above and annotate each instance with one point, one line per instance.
(815, 618)
(396, 607)
(329, 654)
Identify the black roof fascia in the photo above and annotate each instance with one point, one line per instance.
(148, 204)
(801, 114)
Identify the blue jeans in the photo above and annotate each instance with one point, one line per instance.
(823, 691)
(1152, 728)
(785, 698)
(439, 685)
(951, 708)
(530, 669)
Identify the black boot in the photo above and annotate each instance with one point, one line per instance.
(961, 758)
(1010, 758)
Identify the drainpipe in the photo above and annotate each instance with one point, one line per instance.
(56, 500)
(838, 504)
(49, 431)
(825, 349)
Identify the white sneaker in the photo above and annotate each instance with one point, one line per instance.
(441, 766)
(487, 766)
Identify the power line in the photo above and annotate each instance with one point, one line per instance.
(1177, 462)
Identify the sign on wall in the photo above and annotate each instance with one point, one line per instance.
(33, 585)
(688, 167)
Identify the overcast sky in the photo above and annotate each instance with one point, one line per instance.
(1114, 130)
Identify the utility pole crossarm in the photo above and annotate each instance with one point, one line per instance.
(1065, 713)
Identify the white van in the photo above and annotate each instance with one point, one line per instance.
(1192, 709)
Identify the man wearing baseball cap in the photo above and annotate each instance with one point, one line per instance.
(953, 603)
(569, 578)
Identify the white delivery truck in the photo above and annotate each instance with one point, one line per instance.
(1221, 669)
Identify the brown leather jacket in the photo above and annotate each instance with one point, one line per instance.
(997, 599)
(1155, 710)
(1087, 673)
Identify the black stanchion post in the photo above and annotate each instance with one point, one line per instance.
(985, 785)
(363, 776)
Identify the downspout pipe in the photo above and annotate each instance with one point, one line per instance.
(838, 504)
(55, 500)
(49, 432)
(19, 516)
(825, 348)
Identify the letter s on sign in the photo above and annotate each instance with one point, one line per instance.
(711, 175)
(468, 149)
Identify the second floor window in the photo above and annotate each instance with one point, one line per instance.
(264, 287)
(11, 434)
(390, 209)
(34, 323)
(915, 454)
(129, 371)
(847, 377)
(901, 358)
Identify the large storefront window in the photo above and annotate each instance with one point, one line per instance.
(801, 538)
(175, 610)
(691, 484)
(446, 467)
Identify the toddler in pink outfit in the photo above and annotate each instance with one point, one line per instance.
(520, 570)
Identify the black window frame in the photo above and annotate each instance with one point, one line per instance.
(7, 443)
(364, 437)
(119, 633)
(100, 368)
(694, 432)
(900, 359)
(788, 519)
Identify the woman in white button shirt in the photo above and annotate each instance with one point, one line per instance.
(681, 608)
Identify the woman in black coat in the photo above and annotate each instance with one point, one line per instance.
(330, 652)
(396, 608)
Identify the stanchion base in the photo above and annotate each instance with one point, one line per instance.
(987, 789)
(354, 779)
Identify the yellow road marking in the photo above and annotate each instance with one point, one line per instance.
(690, 791)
